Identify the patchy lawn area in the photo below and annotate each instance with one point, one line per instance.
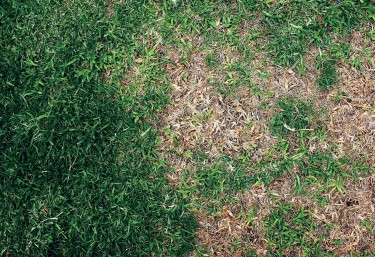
(187, 128)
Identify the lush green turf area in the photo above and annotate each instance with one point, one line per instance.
(78, 168)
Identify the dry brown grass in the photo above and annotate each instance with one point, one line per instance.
(200, 118)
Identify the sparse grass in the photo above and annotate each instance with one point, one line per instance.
(222, 177)
(302, 24)
(290, 231)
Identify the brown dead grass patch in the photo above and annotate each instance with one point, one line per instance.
(110, 9)
(233, 231)
(347, 213)
(201, 118)
(342, 218)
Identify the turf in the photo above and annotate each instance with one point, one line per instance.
(79, 174)
(84, 86)
(291, 231)
(295, 115)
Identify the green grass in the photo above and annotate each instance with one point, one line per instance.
(295, 115)
(328, 76)
(212, 60)
(302, 24)
(79, 174)
(290, 231)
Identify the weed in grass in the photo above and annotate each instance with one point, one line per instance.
(229, 87)
(295, 115)
(328, 75)
(371, 35)
(367, 254)
(321, 167)
(338, 96)
(225, 176)
(326, 173)
(251, 253)
(267, 172)
(236, 75)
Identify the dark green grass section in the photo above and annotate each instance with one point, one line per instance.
(328, 75)
(78, 172)
(295, 114)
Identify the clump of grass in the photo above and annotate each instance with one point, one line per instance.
(290, 231)
(222, 178)
(328, 75)
(295, 115)
(211, 60)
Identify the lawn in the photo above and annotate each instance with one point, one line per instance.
(187, 128)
